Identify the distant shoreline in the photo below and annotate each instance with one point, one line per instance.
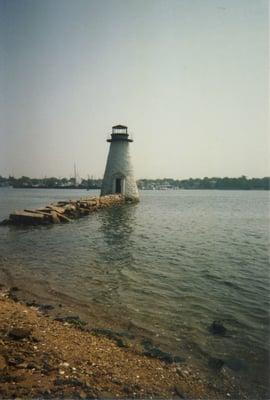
(154, 190)
(213, 183)
(49, 187)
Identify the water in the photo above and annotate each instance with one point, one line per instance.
(164, 268)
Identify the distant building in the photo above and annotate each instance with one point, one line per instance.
(118, 176)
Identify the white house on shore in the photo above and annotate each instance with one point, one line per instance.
(119, 176)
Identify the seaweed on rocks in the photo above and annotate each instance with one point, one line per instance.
(42, 307)
(155, 352)
(215, 363)
(117, 337)
(73, 320)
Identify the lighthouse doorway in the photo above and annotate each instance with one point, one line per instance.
(118, 185)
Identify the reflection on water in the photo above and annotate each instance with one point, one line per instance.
(117, 226)
(169, 265)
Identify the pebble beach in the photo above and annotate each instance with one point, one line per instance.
(41, 357)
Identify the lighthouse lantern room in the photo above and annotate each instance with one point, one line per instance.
(119, 132)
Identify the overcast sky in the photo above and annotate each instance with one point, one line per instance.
(188, 77)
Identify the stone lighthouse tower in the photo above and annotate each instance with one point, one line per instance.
(118, 176)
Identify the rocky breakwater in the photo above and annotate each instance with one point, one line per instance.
(63, 211)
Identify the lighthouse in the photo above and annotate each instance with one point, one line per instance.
(118, 176)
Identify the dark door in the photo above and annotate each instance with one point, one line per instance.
(118, 186)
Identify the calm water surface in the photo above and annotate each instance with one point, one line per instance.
(169, 266)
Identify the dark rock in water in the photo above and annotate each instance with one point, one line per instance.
(5, 222)
(178, 359)
(13, 296)
(73, 320)
(118, 337)
(235, 364)
(63, 218)
(217, 328)
(121, 343)
(83, 211)
(215, 363)
(33, 304)
(27, 218)
(41, 307)
(126, 334)
(19, 333)
(14, 289)
(161, 355)
(106, 332)
(155, 352)
(46, 307)
(147, 343)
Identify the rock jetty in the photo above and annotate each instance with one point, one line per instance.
(63, 211)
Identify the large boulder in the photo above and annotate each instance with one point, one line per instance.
(63, 218)
(59, 210)
(27, 218)
(54, 217)
(217, 328)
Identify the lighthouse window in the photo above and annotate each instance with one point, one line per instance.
(118, 185)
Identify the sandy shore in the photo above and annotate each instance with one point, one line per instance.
(44, 358)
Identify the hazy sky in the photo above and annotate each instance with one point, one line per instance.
(188, 77)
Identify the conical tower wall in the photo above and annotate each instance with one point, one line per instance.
(119, 167)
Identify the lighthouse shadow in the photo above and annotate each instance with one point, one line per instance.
(117, 226)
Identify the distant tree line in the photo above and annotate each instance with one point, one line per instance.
(241, 183)
(50, 183)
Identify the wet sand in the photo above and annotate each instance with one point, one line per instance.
(53, 359)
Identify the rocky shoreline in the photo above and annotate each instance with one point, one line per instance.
(45, 357)
(64, 211)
